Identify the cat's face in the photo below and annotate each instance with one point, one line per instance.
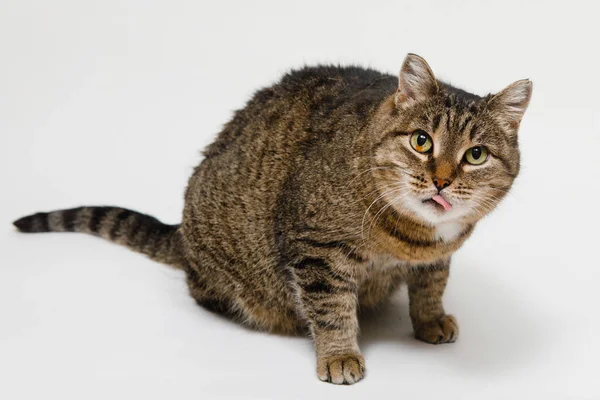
(447, 155)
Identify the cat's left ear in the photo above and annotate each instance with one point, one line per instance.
(416, 81)
(510, 105)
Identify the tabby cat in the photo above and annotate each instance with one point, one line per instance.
(323, 195)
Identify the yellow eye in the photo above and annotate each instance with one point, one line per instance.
(421, 141)
(476, 155)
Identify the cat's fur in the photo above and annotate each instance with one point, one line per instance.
(309, 204)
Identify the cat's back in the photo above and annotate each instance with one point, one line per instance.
(268, 138)
(303, 99)
(352, 78)
(244, 170)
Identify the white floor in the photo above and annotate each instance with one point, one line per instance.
(110, 102)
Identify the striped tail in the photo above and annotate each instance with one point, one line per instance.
(139, 232)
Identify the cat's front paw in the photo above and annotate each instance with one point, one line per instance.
(344, 369)
(441, 330)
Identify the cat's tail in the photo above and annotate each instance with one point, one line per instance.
(139, 232)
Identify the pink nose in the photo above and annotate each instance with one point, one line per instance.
(441, 183)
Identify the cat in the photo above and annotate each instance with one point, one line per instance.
(323, 195)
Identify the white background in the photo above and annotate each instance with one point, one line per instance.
(109, 102)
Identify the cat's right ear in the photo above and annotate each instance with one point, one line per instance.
(416, 81)
(509, 105)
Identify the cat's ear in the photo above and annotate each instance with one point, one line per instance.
(416, 81)
(509, 105)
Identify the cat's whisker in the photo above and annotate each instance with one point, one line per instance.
(374, 201)
(390, 204)
(382, 210)
(483, 205)
(370, 170)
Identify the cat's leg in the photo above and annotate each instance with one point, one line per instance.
(213, 290)
(328, 301)
(224, 291)
(425, 289)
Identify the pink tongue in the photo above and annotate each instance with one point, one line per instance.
(442, 202)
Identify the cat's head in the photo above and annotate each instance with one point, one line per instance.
(444, 154)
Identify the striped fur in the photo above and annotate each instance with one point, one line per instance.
(311, 204)
(139, 232)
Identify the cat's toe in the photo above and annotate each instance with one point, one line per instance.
(343, 369)
(441, 330)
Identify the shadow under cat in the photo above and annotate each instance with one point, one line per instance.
(499, 331)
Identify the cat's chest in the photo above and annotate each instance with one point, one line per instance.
(444, 234)
(420, 243)
(383, 266)
(385, 263)
(448, 231)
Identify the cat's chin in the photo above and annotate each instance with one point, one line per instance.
(432, 212)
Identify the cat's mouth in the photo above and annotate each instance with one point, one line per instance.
(439, 203)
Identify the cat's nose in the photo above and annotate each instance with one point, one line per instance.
(441, 183)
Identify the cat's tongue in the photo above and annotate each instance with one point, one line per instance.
(442, 202)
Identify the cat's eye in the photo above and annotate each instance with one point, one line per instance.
(421, 141)
(476, 155)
